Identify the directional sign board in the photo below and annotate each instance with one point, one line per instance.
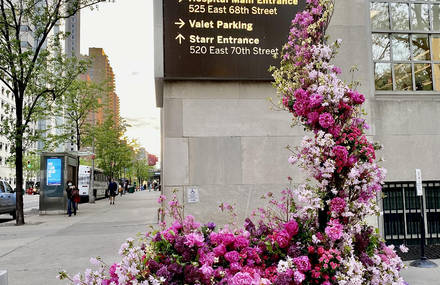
(225, 39)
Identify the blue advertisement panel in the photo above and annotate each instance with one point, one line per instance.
(53, 171)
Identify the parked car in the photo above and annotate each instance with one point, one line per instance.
(7, 199)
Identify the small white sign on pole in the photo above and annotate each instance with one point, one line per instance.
(419, 182)
(193, 195)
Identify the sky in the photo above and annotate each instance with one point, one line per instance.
(124, 30)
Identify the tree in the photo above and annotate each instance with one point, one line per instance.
(141, 170)
(112, 151)
(31, 166)
(35, 75)
(79, 100)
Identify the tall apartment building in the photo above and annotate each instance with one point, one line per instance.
(73, 39)
(101, 72)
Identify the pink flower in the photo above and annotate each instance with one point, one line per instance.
(335, 130)
(190, 223)
(334, 230)
(316, 100)
(219, 250)
(282, 238)
(326, 120)
(302, 263)
(241, 278)
(298, 277)
(356, 97)
(312, 117)
(341, 153)
(337, 70)
(161, 199)
(194, 239)
(286, 101)
(291, 228)
(232, 256)
(206, 270)
(337, 205)
(241, 242)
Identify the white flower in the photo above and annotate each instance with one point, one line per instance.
(282, 266)
(403, 248)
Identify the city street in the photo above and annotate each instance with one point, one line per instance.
(36, 252)
(30, 203)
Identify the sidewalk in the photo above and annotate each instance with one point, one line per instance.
(421, 276)
(36, 252)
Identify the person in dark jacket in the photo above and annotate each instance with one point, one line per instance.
(70, 199)
(112, 189)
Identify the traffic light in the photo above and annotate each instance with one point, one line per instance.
(29, 164)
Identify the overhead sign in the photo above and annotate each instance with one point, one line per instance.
(419, 182)
(225, 39)
(53, 171)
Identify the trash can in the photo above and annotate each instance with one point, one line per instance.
(131, 189)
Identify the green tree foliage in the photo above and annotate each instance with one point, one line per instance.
(79, 101)
(33, 68)
(113, 152)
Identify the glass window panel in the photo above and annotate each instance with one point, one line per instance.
(437, 76)
(435, 17)
(382, 76)
(381, 46)
(403, 76)
(423, 77)
(400, 16)
(400, 45)
(435, 42)
(380, 18)
(420, 45)
(420, 17)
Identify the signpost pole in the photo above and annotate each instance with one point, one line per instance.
(423, 262)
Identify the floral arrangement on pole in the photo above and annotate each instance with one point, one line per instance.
(312, 234)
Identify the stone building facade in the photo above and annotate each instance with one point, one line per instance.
(224, 139)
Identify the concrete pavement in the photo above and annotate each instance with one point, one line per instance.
(422, 276)
(36, 252)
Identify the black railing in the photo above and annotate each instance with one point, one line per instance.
(402, 210)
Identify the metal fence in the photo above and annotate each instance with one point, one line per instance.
(402, 210)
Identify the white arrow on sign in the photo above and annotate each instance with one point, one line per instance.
(180, 38)
(181, 23)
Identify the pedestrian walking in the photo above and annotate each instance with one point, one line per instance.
(72, 195)
(112, 188)
(120, 190)
(126, 186)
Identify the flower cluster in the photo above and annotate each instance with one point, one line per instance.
(314, 233)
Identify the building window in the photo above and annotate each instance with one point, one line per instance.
(406, 45)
